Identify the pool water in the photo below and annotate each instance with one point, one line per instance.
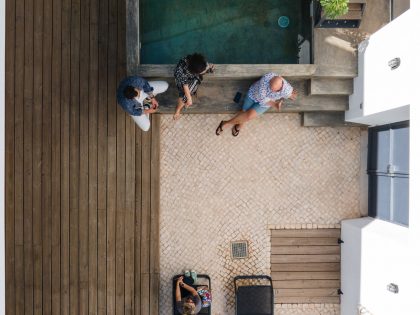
(230, 32)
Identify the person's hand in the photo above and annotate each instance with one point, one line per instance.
(211, 68)
(294, 95)
(150, 111)
(180, 280)
(155, 103)
(279, 104)
(189, 102)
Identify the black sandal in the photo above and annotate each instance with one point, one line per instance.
(219, 129)
(235, 131)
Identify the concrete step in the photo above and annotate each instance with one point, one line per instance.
(246, 71)
(325, 119)
(321, 86)
(216, 96)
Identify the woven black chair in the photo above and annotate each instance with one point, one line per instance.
(254, 295)
(202, 280)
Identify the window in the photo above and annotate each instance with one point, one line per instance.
(388, 170)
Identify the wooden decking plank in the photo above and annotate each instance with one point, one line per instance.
(307, 300)
(84, 160)
(121, 306)
(154, 214)
(10, 293)
(324, 292)
(56, 157)
(102, 154)
(121, 210)
(306, 258)
(74, 155)
(130, 205)
(145, 222)
(138, 223)
(306, 267)
(28, 91)
(307, 250)
(18, 157)
(46, 158)
(306, 233)
(93, 159)
(306, 284)
(41, 229)
(305, 275)
(65, 156)
(112, 159)
(292, 241)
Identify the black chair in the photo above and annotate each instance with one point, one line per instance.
(254, 295)
(202, 280)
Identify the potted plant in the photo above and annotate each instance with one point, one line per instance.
(338, 13)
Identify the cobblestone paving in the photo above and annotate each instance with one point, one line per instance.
(275, 174)
(307, 309)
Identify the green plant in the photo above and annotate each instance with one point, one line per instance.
(334, 8)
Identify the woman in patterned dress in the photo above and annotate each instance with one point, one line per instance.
(188, 76)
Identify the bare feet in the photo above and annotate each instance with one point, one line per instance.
(177, 115)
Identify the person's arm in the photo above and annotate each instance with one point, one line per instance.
(293, 96)
(189, 289)
(262, 89)
(178, 289)
(276, 104)
(188, 95)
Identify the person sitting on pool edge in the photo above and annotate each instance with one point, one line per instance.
(188, 76)
(189, 305)
(131, 94)
(268, 92)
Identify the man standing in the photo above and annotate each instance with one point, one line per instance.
(133, 92)
(268, 92)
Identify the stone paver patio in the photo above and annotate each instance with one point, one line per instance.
(215, 190)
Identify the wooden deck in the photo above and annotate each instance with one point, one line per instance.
(82, 190)
(305, 266)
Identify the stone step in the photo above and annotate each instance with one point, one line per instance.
(321, 86)
(325, 119)
(215, 97)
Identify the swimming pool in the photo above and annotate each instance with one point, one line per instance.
(240, 32)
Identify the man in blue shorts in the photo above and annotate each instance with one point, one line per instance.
(268, 92)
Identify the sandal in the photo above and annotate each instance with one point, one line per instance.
(235, 131)
(219, 129)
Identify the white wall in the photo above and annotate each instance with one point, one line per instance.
(383, 95)
(376, 252)
(2, 135)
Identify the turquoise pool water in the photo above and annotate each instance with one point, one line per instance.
(226, 31)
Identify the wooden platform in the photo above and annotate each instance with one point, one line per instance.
(305, 266)
(82, 182)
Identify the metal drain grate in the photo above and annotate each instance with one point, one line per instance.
(239, 249)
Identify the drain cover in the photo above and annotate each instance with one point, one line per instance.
(239, 249)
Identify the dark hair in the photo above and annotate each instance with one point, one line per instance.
(130, 92)
(196, 63)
